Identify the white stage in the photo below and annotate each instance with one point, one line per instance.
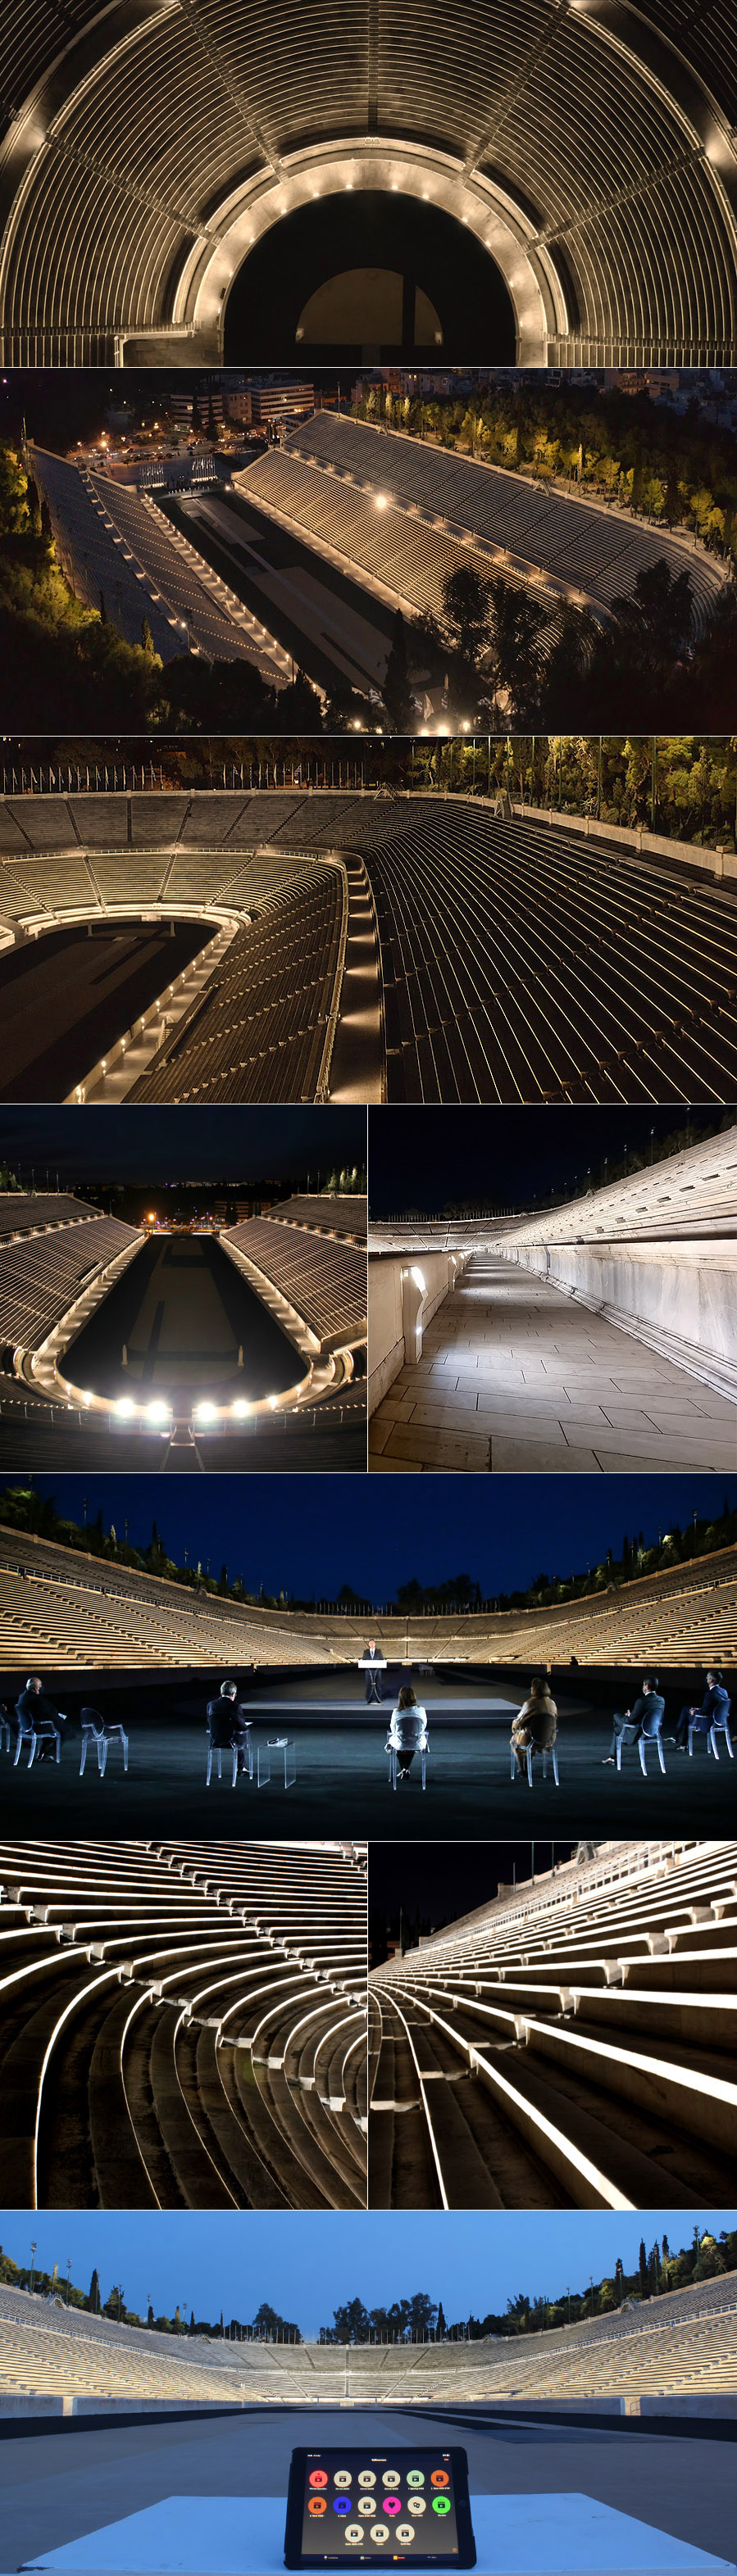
(516, 2535)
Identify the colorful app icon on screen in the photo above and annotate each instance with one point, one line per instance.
(318, 2478)
(367, 2477)
(415, 2477)
(317, 2504)
(391, 2478)
(392, 2504)
(439, 2478)
(380, 2533)
(343, 2478)
(441, 2504)
(341, 2504)
(404, 2533)
(354, 2533)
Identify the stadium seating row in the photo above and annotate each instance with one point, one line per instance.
(577, 2051)
(587, 547)
(183, 2026)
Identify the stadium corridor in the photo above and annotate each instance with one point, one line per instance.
(516, 1377)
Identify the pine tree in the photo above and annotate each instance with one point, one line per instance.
(644, 2280)
(440, 2325)
(93, 2295)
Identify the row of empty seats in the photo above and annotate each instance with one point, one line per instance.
(325, 1282)
(577, 2052)
(42, 1275)
(677, 2344)
(183, 2025)
(518, 961)
(30, 1212)
(56, 1601)
(586, 546)
(346, 1218)
(259, 1029)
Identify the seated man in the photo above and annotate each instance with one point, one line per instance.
(227, 1726)
(714, 1707)
(37, 1712)
(536, 1723)
(645, 1718)
(407, 1731)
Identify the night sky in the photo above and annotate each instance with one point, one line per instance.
(181, 1144)
(447, 1880)
(422, 1158)
(311, 1534)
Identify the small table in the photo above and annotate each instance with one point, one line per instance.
(277, 1744)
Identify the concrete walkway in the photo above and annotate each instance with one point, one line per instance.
(516, 1378)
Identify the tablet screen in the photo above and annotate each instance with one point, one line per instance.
(362, 2506)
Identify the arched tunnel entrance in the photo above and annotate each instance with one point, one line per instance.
(369, 276)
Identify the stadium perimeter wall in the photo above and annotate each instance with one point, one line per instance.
(399, 1311)
(653, 845)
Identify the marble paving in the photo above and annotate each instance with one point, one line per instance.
(516, 1378)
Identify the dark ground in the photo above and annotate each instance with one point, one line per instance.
(66, 997)
(342, 1785)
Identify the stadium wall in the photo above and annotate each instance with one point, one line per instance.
(654, 845)
(399, 1310)
(678, 1298)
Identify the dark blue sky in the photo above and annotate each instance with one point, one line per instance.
(424, 1158)
(305, 2264)
(310, 1534)
(180, 1144)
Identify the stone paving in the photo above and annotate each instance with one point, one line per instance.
(516, 1378)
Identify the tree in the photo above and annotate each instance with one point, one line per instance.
(147, 641)
(519, 623)
(440, 2324)
(396, 691)
(93, 2294)
(467, 617)
(351, 2323)
(644, 2274)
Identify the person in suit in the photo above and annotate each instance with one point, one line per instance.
(536, 1723)
(407, 1731)
(714, 1705)
(226, 1724)
(373, 1663)
(646, 1717)
(36, 1710)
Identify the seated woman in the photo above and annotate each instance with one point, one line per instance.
(407, 1730)
(536, 1723)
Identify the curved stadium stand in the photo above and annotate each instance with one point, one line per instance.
(514, 959)
(679, 2345)
(65, 1608)
(183, 2026)
(600, 175)
(573, 2047)
(407, 515)
(313, 1285)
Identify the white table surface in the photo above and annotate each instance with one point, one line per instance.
(516, 2535)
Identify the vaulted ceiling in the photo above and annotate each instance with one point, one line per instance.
(148, 144)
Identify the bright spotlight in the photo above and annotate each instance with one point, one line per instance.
(205, 1413)
(125, 1407)
(241, 1409)
(273, 1402)
(381, 501)
(158, 1412)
